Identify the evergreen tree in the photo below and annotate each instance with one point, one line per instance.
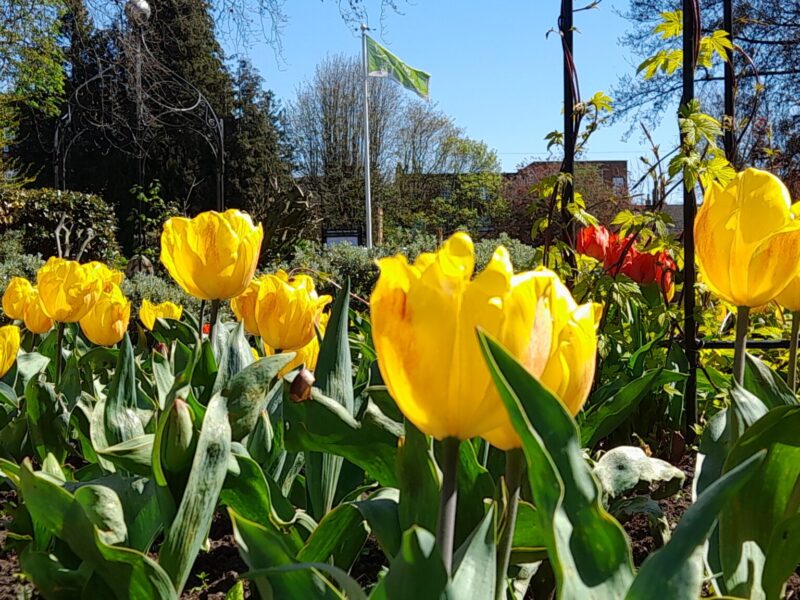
(259, 164)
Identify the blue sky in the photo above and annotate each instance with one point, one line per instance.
(493, 70)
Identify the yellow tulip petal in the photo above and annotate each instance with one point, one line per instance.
(769, 271)
(35, 319)
(9, 347)
(17, 295)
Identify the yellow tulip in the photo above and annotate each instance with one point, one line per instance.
(36, 320)
(554, 338)
(214, 255)
(287, 310)
(16, 297)
(789, 298)
(149, 312)
(424, 319)
(747, 239)
(308, 354)
(106, 274)
(9, 347)
(67, 289)
(244, 306)
(107, 321)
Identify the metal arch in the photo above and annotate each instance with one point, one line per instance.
(157, 90)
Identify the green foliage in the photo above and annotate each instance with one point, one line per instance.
(147, 218)
(670, 60)
(88, 223)
(157, 288)
(341, 262)
(14, 262)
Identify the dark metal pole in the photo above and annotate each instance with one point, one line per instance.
(569, 119)
(221, 166)
(691, 19)
(730, 85)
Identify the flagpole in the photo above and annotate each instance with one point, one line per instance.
(367, 191)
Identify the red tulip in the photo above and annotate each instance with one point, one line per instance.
(646, 268)
(594, 241)
(614, 263)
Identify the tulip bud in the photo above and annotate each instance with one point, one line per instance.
(178, 438)
(300, 391)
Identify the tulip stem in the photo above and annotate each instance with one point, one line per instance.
(792, 376)
(59, 352)
(515, 466)
(447, 505)
(202, 316)
(214, 315)
(740, 346)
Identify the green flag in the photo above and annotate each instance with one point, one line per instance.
(382, 63)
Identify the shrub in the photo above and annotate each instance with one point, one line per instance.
(37, 213)
(334, 264)
(14, 262)
(159, 288)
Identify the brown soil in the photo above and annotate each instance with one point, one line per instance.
(369, 564)
(13, 584)
(216, 571)
(638, 527)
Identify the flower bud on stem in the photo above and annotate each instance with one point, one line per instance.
(445, 530)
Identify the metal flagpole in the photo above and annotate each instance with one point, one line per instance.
(367, 191)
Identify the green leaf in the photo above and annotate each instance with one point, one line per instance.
(350, 586)
(340, 534)
(236, 592)
(587, 548)
(714, 447)
(765, 384)
(475, 561)
(263, 550)
(233, 355)
(782, 556)
(676, 569)
(475, 486)
(249, 494)
(671, 25)
(47, 419)
(602, 419)
(750, 520)
(134, 455)
(334, 377)
(382, 514)
(50, 577)
(30, 364)
(321, 424)
(419, 481)
(163, 377)
(247, 392)
(120, 414)
(130, 574)
(147, 508)
(528, 544)
(419, 560)
(196, 510)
